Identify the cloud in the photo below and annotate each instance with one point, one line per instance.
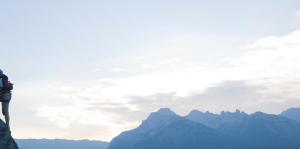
(271, 64)
(228, 95)
(298, 13)
(116, 70)
(264, 77)
(169, 61)
(271, 57)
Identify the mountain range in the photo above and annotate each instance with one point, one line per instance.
(165, 129)
(292, 113)
(60, 144)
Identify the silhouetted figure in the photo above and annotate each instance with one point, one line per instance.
(5, 95)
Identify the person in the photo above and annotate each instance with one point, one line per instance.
(5, 96)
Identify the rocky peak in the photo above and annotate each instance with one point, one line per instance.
(6, 140)
(166, 112)
(157, 119)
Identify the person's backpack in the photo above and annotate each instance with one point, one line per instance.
(8, 85)
(1, 84)
(5, 84)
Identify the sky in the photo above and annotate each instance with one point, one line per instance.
(92, 69)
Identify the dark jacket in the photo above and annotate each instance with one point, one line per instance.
(4, 79)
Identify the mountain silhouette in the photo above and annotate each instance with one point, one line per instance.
(215, 120)
(60, 144)
(6, 140)
(229, 130)
(262, 131)
(292, 113)
(258, 130)
(166, 130)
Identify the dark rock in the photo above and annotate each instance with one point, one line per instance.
(6, 140)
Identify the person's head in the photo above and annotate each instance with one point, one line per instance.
(1, 72)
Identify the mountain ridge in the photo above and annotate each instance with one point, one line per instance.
(292, 113)
(60, 143)
(232, 130)
(160, 125)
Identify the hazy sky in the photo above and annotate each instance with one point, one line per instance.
(91, 69)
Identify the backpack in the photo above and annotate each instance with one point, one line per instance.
(1, 83)
(5, 84)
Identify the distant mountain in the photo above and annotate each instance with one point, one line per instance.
(60, 144)
(292, 113)
(233, 130)
(166, 130)
(6, 140)
(215, 120)
(258, 130)
(263, 131)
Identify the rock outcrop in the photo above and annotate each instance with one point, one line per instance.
(6, 140)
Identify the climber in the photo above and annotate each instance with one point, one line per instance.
(5, 95)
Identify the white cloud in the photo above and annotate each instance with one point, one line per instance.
(271, 62)
(271, 57)
(298, 13)
(169, 61)
(116, 70)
